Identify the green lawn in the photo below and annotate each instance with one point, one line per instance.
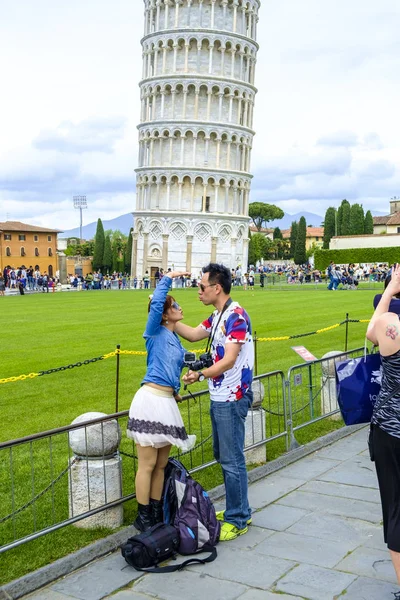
(45, 331)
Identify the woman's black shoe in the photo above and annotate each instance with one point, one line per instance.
(144, 519)
(156, 511)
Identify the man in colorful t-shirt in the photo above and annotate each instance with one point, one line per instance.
(229, 381)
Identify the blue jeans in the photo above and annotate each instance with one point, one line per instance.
(228, 419)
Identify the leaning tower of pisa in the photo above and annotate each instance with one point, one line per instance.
(195, 134)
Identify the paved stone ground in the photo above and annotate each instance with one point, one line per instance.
(316, 535)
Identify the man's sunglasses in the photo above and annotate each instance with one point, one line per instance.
(203, 287)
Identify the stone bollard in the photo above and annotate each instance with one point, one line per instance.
(255, 426)
(94, 479)
(328, 385)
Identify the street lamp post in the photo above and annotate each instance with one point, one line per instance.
(80, 203)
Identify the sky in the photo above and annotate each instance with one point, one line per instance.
(326, 116)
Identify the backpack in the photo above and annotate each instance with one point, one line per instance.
(189, 509)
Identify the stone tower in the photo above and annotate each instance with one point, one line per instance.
(195, 134)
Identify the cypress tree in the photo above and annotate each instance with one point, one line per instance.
(99, 241)
(293, 238)
(107, 256)
(277, 235)
(128, 253)
(339, 219)
(329, 226)
(300, 255)
(345, 217)
(356, 219)
(368, 223)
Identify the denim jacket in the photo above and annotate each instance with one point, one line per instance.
(164, 349)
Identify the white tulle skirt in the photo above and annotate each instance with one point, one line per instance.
(155, 420)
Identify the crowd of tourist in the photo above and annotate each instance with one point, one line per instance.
(23, 278)
(335, 276)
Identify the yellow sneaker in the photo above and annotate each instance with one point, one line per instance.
(220, 514)
(230, 532)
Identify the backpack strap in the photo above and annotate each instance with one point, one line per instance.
(190, 561)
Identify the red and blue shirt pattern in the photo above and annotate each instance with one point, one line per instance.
(233, 328)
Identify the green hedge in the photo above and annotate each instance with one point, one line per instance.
(322, 258)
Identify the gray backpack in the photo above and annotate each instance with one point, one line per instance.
(189, 509)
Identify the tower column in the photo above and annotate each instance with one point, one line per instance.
(189, 250)
(165, 251)
(214, 241)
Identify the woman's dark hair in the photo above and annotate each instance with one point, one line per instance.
(167, 304)
(219, 274)
(388, 279)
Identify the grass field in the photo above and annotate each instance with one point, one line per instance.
(45, 331)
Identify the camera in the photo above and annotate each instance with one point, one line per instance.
(203, 362)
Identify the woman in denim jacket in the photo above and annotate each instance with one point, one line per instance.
(155, 422)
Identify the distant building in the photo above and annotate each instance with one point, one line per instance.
(28, 245)
(389, 223)
(314, 235)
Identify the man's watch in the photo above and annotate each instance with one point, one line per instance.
(201, 376)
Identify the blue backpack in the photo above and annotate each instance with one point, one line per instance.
(189, 509)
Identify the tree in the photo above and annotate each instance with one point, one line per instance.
(300, 256)
(368, 223)
(345, 224)
(258, 247)
(99, 240)
(356, 219)
(262, 213)
(329, 226)
(107, 257)
(293, 237)
(128, 252)
(277, 234)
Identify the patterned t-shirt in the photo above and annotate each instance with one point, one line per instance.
(233, 328)
(387, 412)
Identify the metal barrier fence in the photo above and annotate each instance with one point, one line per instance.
(35, 471)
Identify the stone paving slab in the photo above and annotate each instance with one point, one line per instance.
(278, 517)
(310, 467)
(338, 529)
(358, 471)
(273, 487)
(48, 594)
(234, 565)
(189, 586)
(342, 490)
(305, 549)
(369, 562)
(263, 595)
(130, 595)
(349, 447)
(98, 579)
(347, 507)
(364, 588)
(315, 583)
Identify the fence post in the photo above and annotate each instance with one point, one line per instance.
(347, 332)
(255, 354)
(293, 443)
(117, 380)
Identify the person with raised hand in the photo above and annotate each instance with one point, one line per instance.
(384, 331)
(155, 422)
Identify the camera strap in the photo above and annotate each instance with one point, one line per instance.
(214, 329)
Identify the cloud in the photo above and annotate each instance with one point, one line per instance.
(339, 138)
(91, 135)
(378, 169)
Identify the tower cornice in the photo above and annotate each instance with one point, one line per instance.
(196, 77)
(199, 31)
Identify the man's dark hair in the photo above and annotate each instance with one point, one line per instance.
(219, 274)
